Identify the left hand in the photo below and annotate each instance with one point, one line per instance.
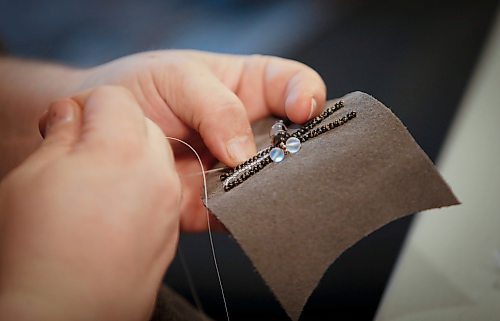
(90, 220)
(215, 97)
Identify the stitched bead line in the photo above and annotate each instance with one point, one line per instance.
(318, 119)
(304, 129)
(239, 174)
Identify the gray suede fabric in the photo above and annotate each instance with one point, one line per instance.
(294, 218)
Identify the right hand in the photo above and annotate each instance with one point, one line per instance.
(90, 221)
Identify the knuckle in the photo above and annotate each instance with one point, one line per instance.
(227, 110)
(179, 66)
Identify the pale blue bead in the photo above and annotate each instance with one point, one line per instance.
(277, 154)
(292, 145)
(278, 128)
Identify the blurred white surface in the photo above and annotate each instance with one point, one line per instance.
(450, 266)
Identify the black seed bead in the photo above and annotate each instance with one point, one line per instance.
(245, 175)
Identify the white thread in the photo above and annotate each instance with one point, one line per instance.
(208, 220)
(214, 170)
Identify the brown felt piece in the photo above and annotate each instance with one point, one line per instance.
(294, 218)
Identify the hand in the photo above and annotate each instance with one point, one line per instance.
(89, 222)
(191, 94)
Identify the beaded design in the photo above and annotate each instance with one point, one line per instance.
(235, 176)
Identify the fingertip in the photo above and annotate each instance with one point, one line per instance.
(60, 113)
(300, 109)
(319, 102)
(240, 148)
(60, 126)
(305, 96)
(228, 135)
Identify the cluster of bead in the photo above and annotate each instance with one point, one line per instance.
(283, 143)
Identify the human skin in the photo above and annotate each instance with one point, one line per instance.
(206, 99)
(89, 221)
(98, 203)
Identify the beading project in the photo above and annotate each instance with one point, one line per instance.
(283, 143)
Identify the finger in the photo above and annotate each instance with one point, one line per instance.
(194, 212)
(165, 172)
(111, 118)
(159, 144)
(199, 99)
(282, 87)
(303, 99)
(60, 127)
(195, 222)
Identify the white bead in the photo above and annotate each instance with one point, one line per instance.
(277, 154)
(292, 145)
(278, 128)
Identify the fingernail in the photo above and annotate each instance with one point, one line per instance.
(312, 107)
(59, 113)
(240, 149)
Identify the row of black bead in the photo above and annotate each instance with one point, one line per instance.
(230, 172)
(267, 160)
(298, 134)
(323, 129)
(249, 172)
(305, 133)
(318, 119)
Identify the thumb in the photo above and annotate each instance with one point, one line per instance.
(60, 126)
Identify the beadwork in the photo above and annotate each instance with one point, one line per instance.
(283, 143)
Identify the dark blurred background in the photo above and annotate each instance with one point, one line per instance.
(415, 56)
